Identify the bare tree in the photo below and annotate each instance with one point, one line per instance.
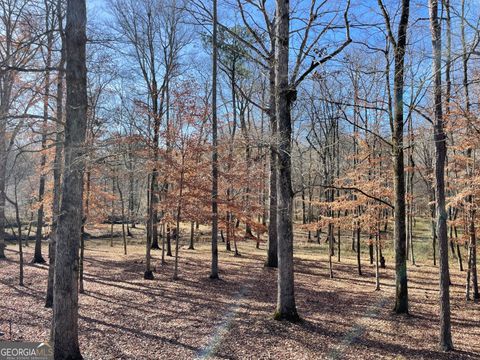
(65, 309)
(214, 268)
(58, 157)
(50, 22)
(16, 53)
(399, 45)
(439, 138)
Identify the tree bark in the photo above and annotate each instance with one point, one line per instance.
(401, 282)
(359, 249)
(471, 212)
(440, 155)
(284, 97)
(57, 162)
(124, 220)
(3, 166)
(214, 264)
(65, 310)
(37, 257)
(377, 258)
(272, 258)
(192, 235)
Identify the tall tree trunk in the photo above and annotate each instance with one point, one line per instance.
(19, 235)
(154, 196)
(330, 250)
(434, 229)
(37, 257)
(86, 208)
(377, 258)
(163, 243)
(57, 162)
(371, 249)
(124, 220)
(272, 258)
(7, 79)
(112, 219)
(459, 254)
(359, 249)
(440, 155)
(65, 309)
(284, 97)
(3, 173)
(81, 289)
(179, 213)
(131, 191)
(338, 241)
(169, 241)
(192, 235)
(471, 212)
(148, 274)
(401, 282)
(214, 265)
(410, 177)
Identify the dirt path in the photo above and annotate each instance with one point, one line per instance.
(221, 332)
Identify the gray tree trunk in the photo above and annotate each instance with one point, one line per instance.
(5, 96)
(3, 168)
(400, 236)
(37, 257)
(439, 138)
(471, 213)
(214, 267)
(57, 162)
(284, 97)
(65, 309)
(272, 259)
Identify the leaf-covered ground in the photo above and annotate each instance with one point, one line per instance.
(123, 316)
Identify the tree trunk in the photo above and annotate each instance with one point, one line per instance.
(377, 270)
(5, 99)
(7, 79)
(124, 220)
(359, 250)
(459, 254)
(57, 162)
(338, 243)
(330, 249)
(112, 219)
(440, 155)
(81, 289)
(85, 209)
(353, 237)
(169, 241)
(401, 282)
(434, 233)
(272, 257)
(179, 213)
(192, 235)
(163, 244)
(214, 265)
(65, 309)
(284, 97)
(371, 250)
(471, 215)
(148, 274)
(19, 237)
(37, 257)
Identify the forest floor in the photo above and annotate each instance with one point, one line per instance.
(123, 316)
